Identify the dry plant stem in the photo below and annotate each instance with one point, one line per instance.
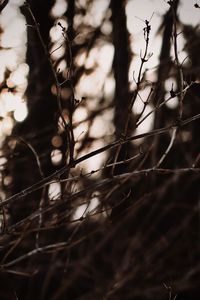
(144, 59)
(31, 253)
(58, 85)
(141, 163)
(57, 174)
(196, 162)
(169, 289)
(52, 247)
(168, 148)
(117, 179)
(78, 177)
(163, 103)
(18, 273)
(154, 251)
(42, 200)
(34, 153)
(41, 206)
(116, 187)
(144, 106)
(178, 64)
(125, 161)
(17, 242)
(3, 221)
(72, 142)
(58, 247)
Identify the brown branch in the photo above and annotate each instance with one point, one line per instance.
(163, 103)
(57, 174)
(3, 5)
(168, 148)
(144, 59)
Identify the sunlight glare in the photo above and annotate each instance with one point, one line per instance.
(9, 102)
(95, 15)
(5, 127)
(86, 85)
(9, 37)
(56, 157)
(83, 209)
(96, 162)
(80, 114)
(58, 50)
(188, 13)
(54, 190)
(56, 33)
(106, 28)
(79, 212)
(105, 57)
(80, 59)
(18, 77)
(101, 127)
(109, 88)
(20, 112)
(80, 131)
(92, 58)
(8, 59)
(59, 8)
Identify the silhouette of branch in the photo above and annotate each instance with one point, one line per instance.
(58, 173)
(68, 128)
(3, 4)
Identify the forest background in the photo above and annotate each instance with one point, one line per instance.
(100, 149)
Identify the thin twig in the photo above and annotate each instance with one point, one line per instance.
(57, 174)
(34, 153)
(144, 59)
(163, 103)
(117, 180)
(168, 148)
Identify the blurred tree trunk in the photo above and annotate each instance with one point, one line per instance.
(163, 73)
(121, 69)
(39, 127)
(122, 100)
(120, 65)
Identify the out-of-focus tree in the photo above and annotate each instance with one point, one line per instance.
(93, 207)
